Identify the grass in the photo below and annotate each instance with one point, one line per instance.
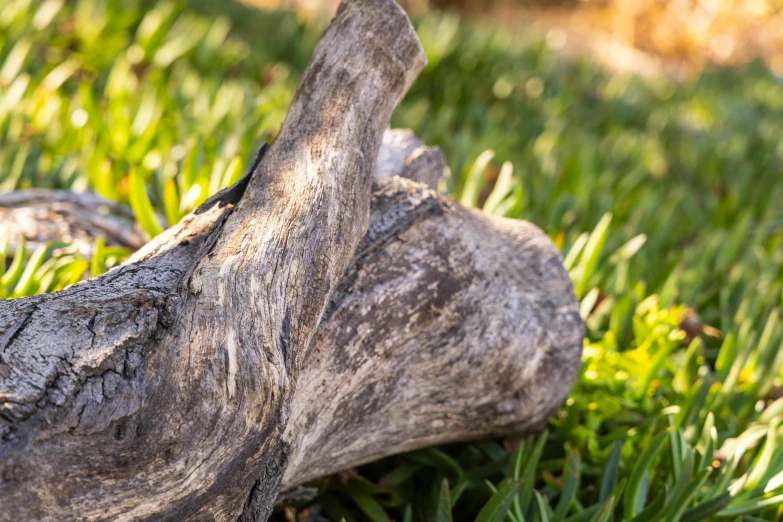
(666, 200)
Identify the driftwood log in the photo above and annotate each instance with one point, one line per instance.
(308, 319)
(43, 216)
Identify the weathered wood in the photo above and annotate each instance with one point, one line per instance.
(43, 216)
(163, 388)
(190, 383)
(402, 154)
(449, 325)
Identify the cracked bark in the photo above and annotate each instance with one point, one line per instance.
(272, 336)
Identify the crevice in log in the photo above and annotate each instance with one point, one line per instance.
(233, 194)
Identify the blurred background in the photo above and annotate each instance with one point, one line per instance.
(651, 37)
(643, 136)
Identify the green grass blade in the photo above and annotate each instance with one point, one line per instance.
(589, 257)
(635, 494)
(439, 460)
(96, 263)
(140, 203)
(474, 179)
(17, 266)
(761, 467)
(496, 509)
(456, 492)
(443, 509)
(707, 508)
(571, 474)
(171, 202)
(752, 506)
(585, 515)
(23, 286)
(652, 510)
(678, 505)
(528, 477)
(603, 514)
(542, 508)
(609, 476)
(503, 187)
(370, 507)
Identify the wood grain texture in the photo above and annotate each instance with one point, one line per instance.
(450, 325)
(273, 336)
